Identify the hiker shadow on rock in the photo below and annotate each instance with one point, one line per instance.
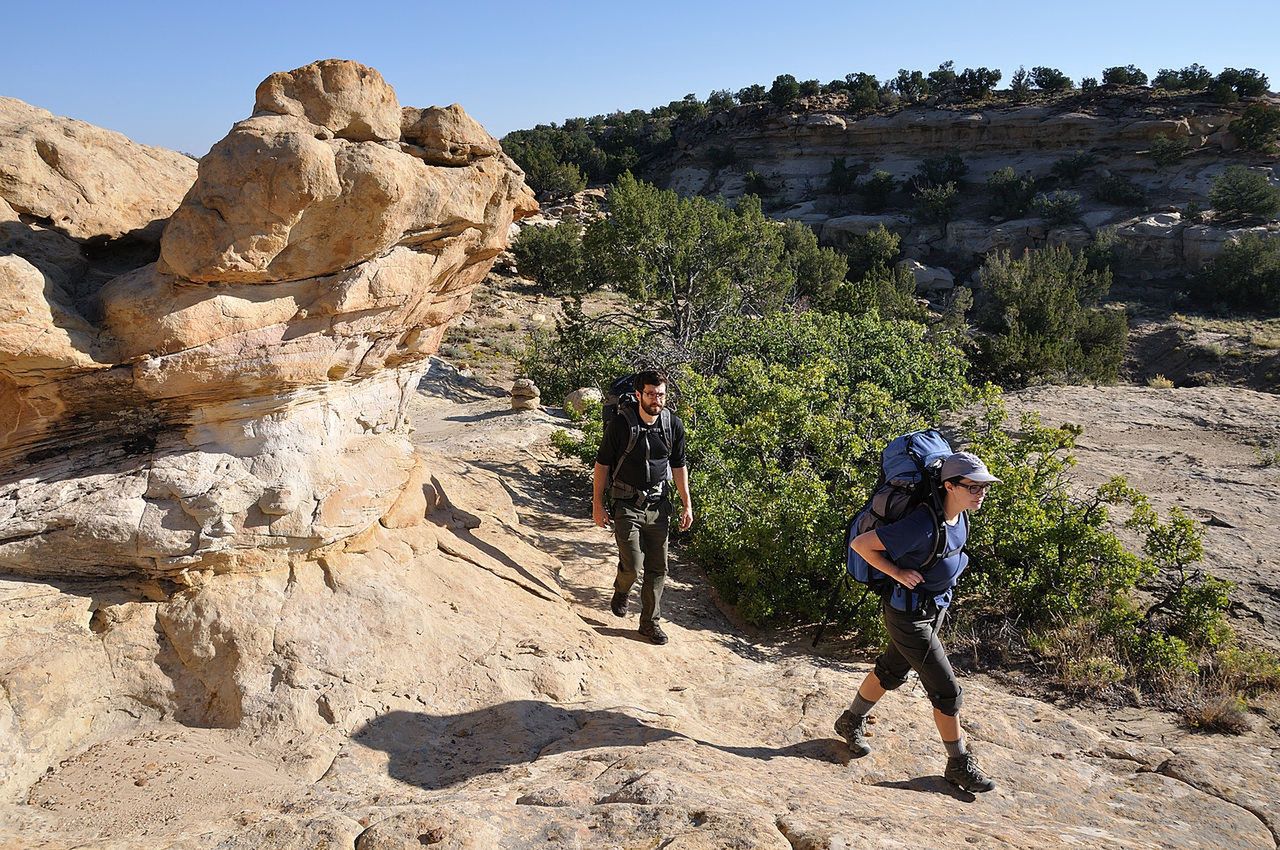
(439, 751)
(930, 785)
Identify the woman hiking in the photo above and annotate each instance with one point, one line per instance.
(914, 611)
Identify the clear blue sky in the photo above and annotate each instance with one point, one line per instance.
(179, 75)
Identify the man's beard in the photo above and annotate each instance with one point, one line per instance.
(653, 409)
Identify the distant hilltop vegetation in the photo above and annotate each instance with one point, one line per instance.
(561, 159)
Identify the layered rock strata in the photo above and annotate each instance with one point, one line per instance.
(794, 150)
(242, 399)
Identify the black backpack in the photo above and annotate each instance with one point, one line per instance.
(620, 400)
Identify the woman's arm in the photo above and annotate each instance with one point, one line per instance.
(868, 545)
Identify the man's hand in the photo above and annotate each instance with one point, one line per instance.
(686, 518)
(598, 515)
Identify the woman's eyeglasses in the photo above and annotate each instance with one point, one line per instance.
(975, 489)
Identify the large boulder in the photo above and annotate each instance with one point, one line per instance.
(243, 400)
(84, 181)
(348, 99)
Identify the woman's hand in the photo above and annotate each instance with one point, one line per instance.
(907, 578)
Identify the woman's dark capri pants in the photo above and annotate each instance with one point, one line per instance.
(914, 644)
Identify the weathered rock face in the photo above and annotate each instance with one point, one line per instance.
(794, 152)
(242, 399)
(84, 181)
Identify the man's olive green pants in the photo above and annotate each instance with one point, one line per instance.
(642, 545)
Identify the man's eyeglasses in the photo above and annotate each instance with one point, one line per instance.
(654, 396)
(975, 489)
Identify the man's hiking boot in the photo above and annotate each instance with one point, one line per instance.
(852, 727)
(654, 633)
(618, 605)
(964, 773)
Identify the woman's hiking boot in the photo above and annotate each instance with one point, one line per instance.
(618, 604)
(964, 773)
(852, 727)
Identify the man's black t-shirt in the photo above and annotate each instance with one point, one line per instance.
(632, 471)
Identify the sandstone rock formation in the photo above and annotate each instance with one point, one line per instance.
(242, 399)
(84, 181)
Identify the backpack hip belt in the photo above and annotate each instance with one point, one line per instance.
(620, 491)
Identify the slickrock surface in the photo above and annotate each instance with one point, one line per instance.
(462, 684)
(243, 399)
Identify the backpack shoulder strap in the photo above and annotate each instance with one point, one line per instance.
(628, 414)
(665, 418)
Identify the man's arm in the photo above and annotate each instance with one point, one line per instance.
(599, 476)
(681, 477)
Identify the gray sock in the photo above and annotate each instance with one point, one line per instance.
(955, 748)
(861, 707)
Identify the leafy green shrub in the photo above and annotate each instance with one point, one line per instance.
(550, 179)
(1041, 321)
(1257, 128)
(1010, 194)
(1048, 565)
(1088, 83)
(787, 432)
(784, 90)
(584, 351)
(1121, 191)
(976, 83)
(876, 190)
(755, 93)
(1020, 85)
(937, 203)
(756, 184)
(937, 170)
(1071, 168)
(1249, 671)
(864, 91)
(911, 86)
(878, 247)
(1194, 77)
(1050, 79)
(553, 257)
(1060, 207)
(1124, 75)
(1167, 150)
(1246, 276)
(1232, 84)
(842, 178)
(819, 272)
(942, 82)
(1103, 253)
(1240, 194)
(693, 259)
(720, 100)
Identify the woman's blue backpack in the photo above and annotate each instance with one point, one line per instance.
(909, 477)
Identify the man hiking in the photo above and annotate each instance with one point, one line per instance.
(914, 611)
(642, 451)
